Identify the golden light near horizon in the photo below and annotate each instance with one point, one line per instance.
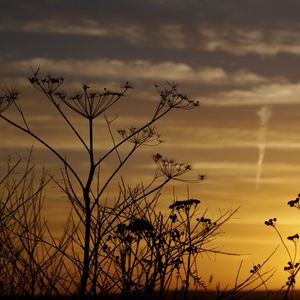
(244, 136)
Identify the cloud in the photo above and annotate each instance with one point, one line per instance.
(235, 40)
(137, 70)
(133, 33)
(173, 36)
(85, 27)
(264, 115)
(242, 41)
(168, 35)
(269, 93)
(207, 36)
(246, 77)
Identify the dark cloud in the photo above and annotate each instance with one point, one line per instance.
(232, 34)
(255, 13)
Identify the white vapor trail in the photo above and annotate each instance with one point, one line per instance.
(264, 114)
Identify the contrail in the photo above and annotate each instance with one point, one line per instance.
(264, 114)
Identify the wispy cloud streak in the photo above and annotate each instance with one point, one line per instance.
(264, 114)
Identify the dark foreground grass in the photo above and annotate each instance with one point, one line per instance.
(210, 295)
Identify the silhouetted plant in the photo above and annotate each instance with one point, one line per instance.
(292, 266)
(147, 252)
(257, 278)
(121, 244)
(92, 220)
(27, 265)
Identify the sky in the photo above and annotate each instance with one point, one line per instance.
(239, 58)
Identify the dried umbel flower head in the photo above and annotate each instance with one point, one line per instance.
(169, 167)
(294, 203)
(293, 237)
(184, 204)
(191, 249)
(173, 217)
(146, 136)
(170, 97)
(290, 266)
(140, 225)
(271, 222)
(121, 228)
(291, 280)
(90, 103)
(203, 220)
(48, 84)
(8, 97)
(255, 269)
